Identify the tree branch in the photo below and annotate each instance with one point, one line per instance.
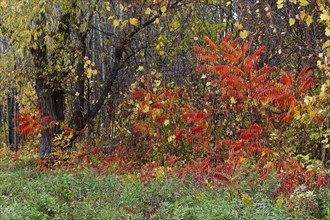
(118, 64)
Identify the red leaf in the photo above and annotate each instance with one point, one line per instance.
(179, 91)
(256, 127)
(306, 85)
(161, 119)
(237, 147)
(141, 127)
(221, 68)
(178, 135)
(247, 135)
(138, 94)
(172, 161)
(188, 115)
(44, 119)
(302, 76)
(130, 210)
(226, 142)
(262, 150)
(95, 151)
(220, 176)
(197, 129)
(158, 105)
(189, 139)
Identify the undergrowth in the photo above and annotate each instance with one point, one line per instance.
(30, 194)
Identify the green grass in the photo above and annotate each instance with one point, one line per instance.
(28, 194)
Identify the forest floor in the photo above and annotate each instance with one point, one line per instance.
(29, 194)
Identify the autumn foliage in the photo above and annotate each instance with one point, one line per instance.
(171, 129)
(32, 123)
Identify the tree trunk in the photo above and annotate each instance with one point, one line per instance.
(1, 119)
(51, 103)
(79, 102)
(10, 117)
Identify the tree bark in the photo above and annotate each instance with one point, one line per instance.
(10, 117)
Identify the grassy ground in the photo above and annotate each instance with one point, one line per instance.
(28, 194)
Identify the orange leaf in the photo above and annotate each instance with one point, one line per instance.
(230, 57)
(210, 42)
(205, 68)
(210, 59)
(227, 37)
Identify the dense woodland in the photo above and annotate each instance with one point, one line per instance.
(225, 90)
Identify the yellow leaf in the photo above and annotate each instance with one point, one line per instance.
(238, 25)
(148, 11)
(292, 21)
(306, 17)
(157, 82)
(243, 34)
(146, 109)
(124, 23)
(279, 4)
(293, 1)
(116, 22)
(157, 21)
(163, 9)
(309, 20)
(77, 94)
(325, 16)
(326, 44)
(166, 122)
(89, 73)
(140, 68)
(303, 2)
(134, 21)
(170, 138)
(327, 31)
(162, 53)
(233, 100)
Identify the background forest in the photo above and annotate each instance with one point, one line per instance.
(231, 95)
